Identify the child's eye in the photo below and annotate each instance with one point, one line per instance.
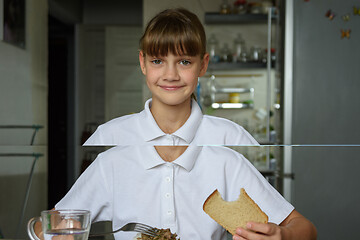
(156, 61)
(185, 62)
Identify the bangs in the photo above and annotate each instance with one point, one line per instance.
(174, 33)
(174, 40)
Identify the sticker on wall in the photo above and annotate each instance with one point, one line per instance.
(330, 14)
(346, 17)
(345, 33)
(14, 22)
(356, 10)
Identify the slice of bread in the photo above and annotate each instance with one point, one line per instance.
(231, 215)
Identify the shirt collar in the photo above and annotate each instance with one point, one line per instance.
(148, 125)
(151, 159)
(188, 158)
(187, 132)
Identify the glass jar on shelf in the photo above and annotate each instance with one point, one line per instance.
(213, 49)
(239, 47)
(244, 55)
(240, 7)
(226, 55)
(255, 54)
(234, 97)
(225, 7)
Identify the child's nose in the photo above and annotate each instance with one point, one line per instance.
(171, 73)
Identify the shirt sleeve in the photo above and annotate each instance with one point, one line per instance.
(245, 137)
(91, 192)
(260, 190)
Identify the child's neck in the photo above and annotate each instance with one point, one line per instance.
(171, 118)
(170, 153)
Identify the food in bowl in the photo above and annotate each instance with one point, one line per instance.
(163, 234)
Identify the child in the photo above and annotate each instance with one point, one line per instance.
(172, 57)
(141, 184)
(166, 186)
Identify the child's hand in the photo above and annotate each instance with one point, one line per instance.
(38, 230)
(255, 231)
(67, 224)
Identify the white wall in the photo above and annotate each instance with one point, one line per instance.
(23, 101)
(112, 12)
(99, 81)
(123, 81)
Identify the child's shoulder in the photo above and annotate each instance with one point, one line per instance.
(224, 131)
(223, 155)
(124, 118)
(114, 131)
(125, 122)
(221, 122)
(217, 119)
(223, 150)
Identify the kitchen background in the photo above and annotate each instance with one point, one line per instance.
(79, 67)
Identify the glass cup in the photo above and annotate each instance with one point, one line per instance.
(59, 224)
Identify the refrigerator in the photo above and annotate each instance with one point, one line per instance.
(243, 80)
(310, 127)
(321, 113)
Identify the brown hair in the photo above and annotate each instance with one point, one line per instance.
(177, 31)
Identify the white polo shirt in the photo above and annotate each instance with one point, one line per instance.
(141, 128)
(133, 184)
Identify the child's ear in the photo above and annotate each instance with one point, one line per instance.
(142, 62)
(204, 65)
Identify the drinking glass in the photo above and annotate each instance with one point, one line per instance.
(62, 224)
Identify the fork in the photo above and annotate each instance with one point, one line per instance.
(132, 227)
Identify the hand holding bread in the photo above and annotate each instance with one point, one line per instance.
(232, 215)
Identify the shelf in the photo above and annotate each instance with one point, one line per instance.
(35, 155)
(233, 90)
(217, 18)
(232, 105)
(238, 65)
(34, 127)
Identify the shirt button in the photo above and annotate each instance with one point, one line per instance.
(168, 179)
(169, 212)
(167, 195)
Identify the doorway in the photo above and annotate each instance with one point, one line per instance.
(60, 109)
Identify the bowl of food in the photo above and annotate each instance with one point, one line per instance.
(163, 234)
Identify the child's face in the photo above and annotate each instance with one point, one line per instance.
(172, 79)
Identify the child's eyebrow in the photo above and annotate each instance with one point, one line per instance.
(186, 56)
(154, 56)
